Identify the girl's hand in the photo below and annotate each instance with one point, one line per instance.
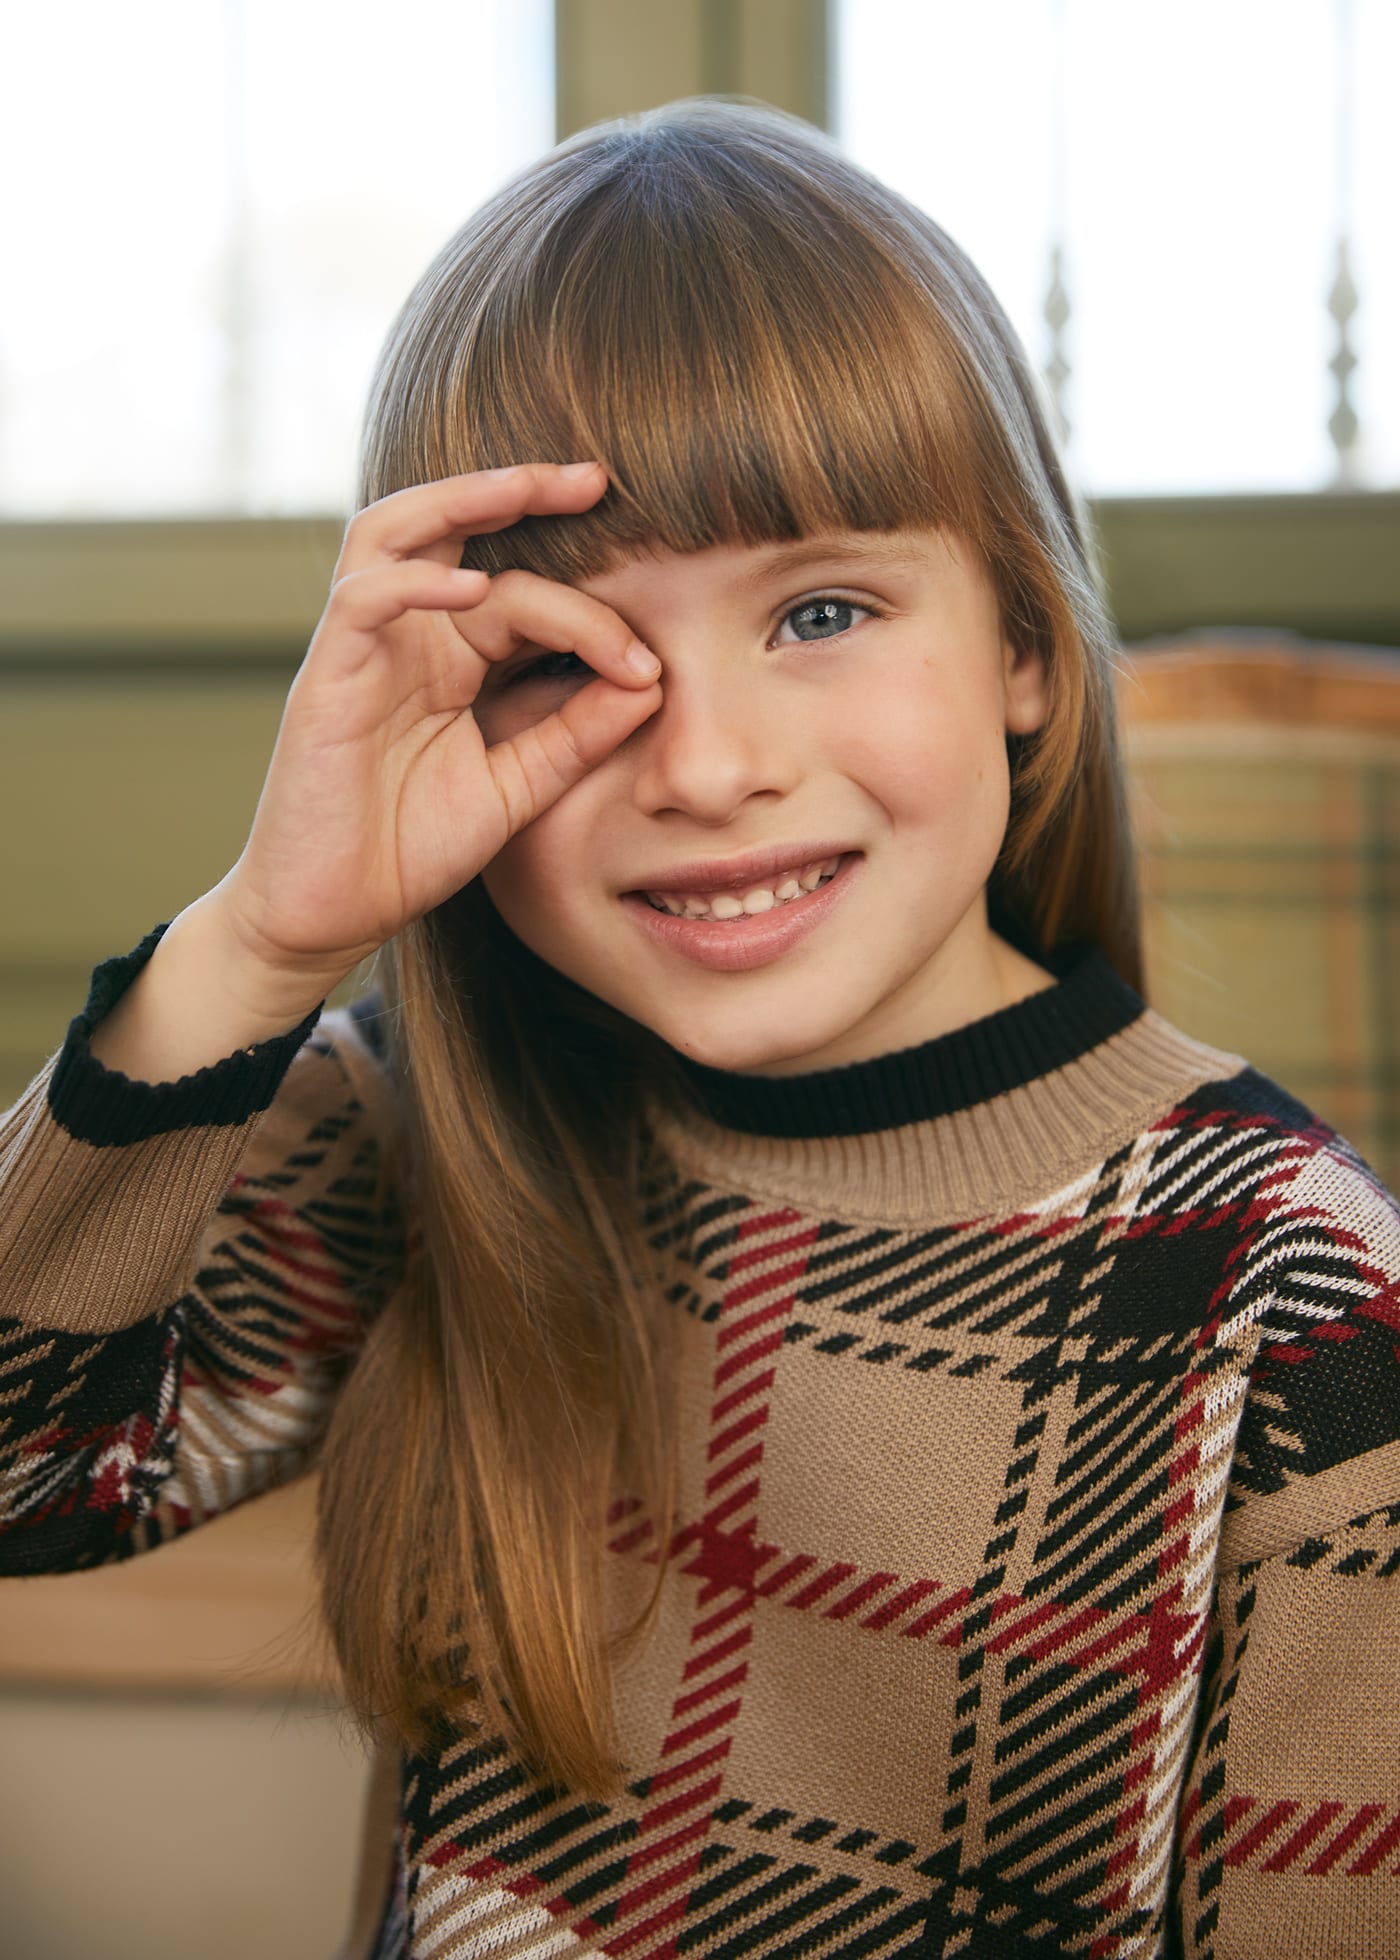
(382, 798)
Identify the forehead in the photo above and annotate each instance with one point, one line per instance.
(753, 568)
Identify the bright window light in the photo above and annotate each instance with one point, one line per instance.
(1196, 168)
(214, 208)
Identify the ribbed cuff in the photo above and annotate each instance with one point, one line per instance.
(102, 1106)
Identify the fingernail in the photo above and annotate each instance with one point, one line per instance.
(579, 469)
(641, 660)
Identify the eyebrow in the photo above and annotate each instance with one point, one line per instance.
(864, 548)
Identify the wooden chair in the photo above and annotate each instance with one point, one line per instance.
(1264, 774)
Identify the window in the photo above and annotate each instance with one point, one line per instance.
(1196, 165)
(225, 206)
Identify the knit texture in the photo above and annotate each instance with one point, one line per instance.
(1037, 1582)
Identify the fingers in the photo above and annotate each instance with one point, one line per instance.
(436, 517)
(521, 609)
(366, 601)
(533, 769)
(493, 618)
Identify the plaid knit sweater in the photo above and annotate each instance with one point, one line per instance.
(1037, 1584)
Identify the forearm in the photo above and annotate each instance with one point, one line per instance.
(197, 1000)
(146, 1225)
(106, 1179)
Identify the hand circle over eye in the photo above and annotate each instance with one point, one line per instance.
(383, 797)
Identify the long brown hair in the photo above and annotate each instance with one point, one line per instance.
(759, 341)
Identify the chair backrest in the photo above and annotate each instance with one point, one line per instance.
(1264, 772)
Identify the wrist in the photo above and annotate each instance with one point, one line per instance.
(199, 999)
(264, 989)
(135, 1065)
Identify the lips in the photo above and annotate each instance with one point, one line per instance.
(744, 870)
(744, 939)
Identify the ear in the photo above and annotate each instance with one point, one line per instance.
(1025, 688)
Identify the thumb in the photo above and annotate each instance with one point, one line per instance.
(533, 769)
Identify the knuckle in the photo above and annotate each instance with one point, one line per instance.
(568, 761)
(365, 520)
(354, 592)
(513, 787)
(344, 589)
(511, 584)
(511, 482)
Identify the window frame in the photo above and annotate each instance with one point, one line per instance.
(246, 592)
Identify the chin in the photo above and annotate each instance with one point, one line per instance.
(750, 1046)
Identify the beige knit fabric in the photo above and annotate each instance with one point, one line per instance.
(1035, 1587)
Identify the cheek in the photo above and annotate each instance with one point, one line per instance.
(923, 755)
(531, 876)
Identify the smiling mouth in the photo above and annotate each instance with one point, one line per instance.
(790, 885)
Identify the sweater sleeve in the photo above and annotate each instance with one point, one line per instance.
(188, 1270)
(1290, 1828)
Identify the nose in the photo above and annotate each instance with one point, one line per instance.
(715, 743)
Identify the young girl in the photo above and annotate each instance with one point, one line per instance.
(840, 1431)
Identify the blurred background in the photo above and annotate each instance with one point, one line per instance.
(212, 210)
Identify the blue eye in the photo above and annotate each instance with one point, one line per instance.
(822, 619)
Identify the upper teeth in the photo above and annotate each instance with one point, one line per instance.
(735, 904)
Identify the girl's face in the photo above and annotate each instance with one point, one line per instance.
(835, 706)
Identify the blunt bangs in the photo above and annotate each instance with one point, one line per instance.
(740, 337)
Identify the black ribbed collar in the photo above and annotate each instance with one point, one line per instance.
(987, 1058)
